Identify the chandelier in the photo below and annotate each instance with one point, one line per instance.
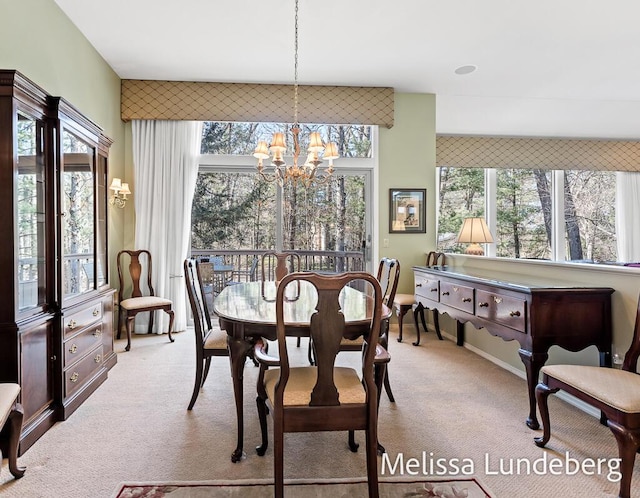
(308, 172)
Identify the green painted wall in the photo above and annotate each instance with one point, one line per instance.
(40, 41)
(408, 160)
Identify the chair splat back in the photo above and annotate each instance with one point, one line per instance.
(285, 262)
(135, 273)
(388, 276)
(199, 309)
(326, 329)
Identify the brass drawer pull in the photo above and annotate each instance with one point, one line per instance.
(97, 358)
(483, 305)
(514, 313)
(73, 348)
(434, 289)
(418, 285)
(96, 312)
(466, 299)
(97, 333)
(72, 324)
(445, 293)
(74, 377)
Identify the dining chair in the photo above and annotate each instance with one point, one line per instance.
(210, 341)
(615, 392)
(405, 302)
(321, 397)
(275, 265)
(207, 281)
(11, 415)
(142, 297)
(285, 262)
(388, 276)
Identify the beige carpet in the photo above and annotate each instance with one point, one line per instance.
(450, 405)
(309, 488)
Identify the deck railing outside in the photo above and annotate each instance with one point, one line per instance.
(333, 261)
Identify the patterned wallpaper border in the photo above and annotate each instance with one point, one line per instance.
(544, 153)
(203, 101)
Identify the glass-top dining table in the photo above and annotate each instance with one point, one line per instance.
(247, 311)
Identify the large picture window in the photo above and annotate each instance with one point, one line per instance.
(234, 209)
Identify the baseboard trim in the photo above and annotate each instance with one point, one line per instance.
(580, 405)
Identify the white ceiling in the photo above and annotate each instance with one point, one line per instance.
(564, 68)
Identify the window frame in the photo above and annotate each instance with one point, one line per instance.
(367, 167)
(558, 247)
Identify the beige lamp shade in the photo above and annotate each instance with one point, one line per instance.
(315, 142)
(262, 150)
(278, 144)
(331, 152)
(474, 231)
(116, 184)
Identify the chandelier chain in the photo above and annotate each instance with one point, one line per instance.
(295, 71)
(308, 172)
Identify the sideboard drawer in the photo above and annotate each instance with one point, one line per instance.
(457, 296)
(428, 288)
(506, 310)
(81, 371)
(76, 347)
(80, 319)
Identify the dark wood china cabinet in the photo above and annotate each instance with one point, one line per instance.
(56, 311)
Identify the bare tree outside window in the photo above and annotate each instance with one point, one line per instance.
(234, 210)
(524, 212)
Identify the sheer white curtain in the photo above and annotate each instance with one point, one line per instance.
(165, 157)
(627, 207)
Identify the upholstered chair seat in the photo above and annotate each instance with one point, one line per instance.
(617, 388)
(302, 380)
(217, 339)
(136, 303)
(8, 395)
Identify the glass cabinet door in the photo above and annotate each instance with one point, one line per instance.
(78, 215)
(31, 213)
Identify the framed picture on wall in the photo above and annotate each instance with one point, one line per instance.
(407, 210)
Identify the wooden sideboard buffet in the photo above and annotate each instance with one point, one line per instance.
(56, 311)
(537, 315)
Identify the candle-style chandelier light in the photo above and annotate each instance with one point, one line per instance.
(309, 172)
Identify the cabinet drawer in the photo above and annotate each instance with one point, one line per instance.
(506, 310)
(457, 296)
(427, 287)
(79, 345)
(78, 374)
(76, 321)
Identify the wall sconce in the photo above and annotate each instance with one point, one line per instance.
(474, 231)
(120, 192)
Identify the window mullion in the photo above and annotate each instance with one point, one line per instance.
(558, 246)
(490, 199)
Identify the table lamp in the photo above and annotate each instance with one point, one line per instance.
(474, 232)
